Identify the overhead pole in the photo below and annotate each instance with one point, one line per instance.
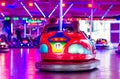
(26, 9)
(53, 11)
(39, 9)
(61, 15)
(2, 14)
(68, 9)
(107, 11)
(91, 18)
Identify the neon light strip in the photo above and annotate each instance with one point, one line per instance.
(61, 12)
(94, 10)
(67, 9)
(11, 62)
(11, 27)
(53, 11)
(26, 9)
(25, 30)
(2, 14)
(106, 12)
(39, 9)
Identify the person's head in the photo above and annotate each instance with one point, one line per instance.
(76, 25)
(52, 20)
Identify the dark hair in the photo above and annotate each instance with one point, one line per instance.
(75, 25)
(52, 20)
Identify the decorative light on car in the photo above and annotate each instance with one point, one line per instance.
(25, 41)
(58, 39)
(21, 44)
(3, 43)
(78, 49)
(0, 40)
(28, 44)
(43, 48)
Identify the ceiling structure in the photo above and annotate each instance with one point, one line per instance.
(73, 8)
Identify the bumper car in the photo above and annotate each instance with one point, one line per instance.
(25, 43)
(66, 51)
(118, 49)
(13, 43)
(4, 47)
(36, 41)
(102, 43)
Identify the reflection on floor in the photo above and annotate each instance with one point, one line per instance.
(20, 64)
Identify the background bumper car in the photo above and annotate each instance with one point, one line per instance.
(4, 47)
(118, 49)
(102, 43)
(25, 43)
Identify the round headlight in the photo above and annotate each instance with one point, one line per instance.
(76, 48)
(43, 48)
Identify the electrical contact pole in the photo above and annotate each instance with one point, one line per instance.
(91, 20)
(61, 17)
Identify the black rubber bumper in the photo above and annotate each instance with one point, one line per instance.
(67, 66)
(4, 49)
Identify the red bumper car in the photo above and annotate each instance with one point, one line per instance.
(102, 43)
(66, 51)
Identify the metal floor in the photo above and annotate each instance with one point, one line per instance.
(20, 64)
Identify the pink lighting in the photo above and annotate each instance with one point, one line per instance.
(90, 5)
(30, 4)
(2, 14)
(63, 4)
(3, 4)
(68, 9)
(26, 9)
(53, 11)
(39, 9)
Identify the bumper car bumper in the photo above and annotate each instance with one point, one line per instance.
(102, 47)
(4, 49)
(69, 66)
(117, 51)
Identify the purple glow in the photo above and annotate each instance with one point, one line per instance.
(39, 9)
(11, 27)
(53, 11)
(25, 28)
(26, 9)
(67, 10)
(107, 12)
(2, 14)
